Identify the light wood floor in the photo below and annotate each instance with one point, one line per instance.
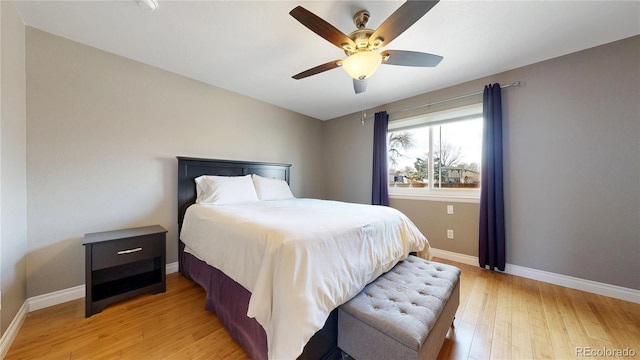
(500, 317)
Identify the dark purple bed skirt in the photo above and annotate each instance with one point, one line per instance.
(226, 298)
(230, 301)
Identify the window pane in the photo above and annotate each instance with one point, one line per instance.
(457, 153)
(408, 157)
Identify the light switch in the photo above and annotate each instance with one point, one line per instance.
(450, 209)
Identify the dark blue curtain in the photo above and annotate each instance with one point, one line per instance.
(380, 190)
(492, 234)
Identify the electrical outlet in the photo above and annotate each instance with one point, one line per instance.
(449, 234)
(450, 209)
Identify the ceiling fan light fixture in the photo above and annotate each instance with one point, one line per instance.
(362, 65)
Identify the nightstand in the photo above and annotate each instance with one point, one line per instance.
(122, 264)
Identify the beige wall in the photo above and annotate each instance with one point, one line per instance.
(348, 161)
(103, 134)
(572, 170)
(432, 219)
(13, 168)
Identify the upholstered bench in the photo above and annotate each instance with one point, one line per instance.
(404, 314)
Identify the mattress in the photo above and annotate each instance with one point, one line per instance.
(299, 258)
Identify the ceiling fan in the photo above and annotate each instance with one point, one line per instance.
(361, 46)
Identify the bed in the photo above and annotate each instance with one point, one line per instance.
(276, 319)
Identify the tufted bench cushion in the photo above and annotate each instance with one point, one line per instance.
(403, 314)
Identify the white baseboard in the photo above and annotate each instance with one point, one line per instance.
(12, 331)
(449, 255)
(55, 298)
(172, 268)
(594, 287)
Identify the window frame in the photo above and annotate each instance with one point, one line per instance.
(460, 113)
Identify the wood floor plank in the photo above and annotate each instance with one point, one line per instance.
(560, 342)
(467, 279)
(475, 301)
(595, 327)
(458, 341)
(502, 329)
(576, 334)
(500, 317)
(483, 334)
(540, 336)
(521, 337)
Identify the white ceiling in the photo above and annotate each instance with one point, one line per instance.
(254, 47)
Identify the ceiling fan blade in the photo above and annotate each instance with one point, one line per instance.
(318, 69)
(401, 20)
(321, 27)
(410, 58)
(359, 86)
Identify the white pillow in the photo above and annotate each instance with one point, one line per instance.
(271, 189)
(225, 189)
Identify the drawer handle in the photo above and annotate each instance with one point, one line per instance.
(123, 252)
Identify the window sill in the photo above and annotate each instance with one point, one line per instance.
(463, 196)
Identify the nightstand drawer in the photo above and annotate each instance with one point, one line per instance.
(118, 252)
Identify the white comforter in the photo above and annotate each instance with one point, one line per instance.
(299, 258)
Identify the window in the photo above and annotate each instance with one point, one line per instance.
(436, 155)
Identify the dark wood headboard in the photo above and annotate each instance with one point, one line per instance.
(190, 168)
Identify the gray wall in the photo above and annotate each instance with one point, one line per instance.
(572, 166)
(13, 160)
(103, 134)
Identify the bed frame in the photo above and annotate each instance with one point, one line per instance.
(228, 299)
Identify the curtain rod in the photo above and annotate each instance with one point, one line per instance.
(517, 83)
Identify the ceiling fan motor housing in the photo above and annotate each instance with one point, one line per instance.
(361, 36)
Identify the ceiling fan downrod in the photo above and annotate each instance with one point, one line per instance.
(361, 18)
